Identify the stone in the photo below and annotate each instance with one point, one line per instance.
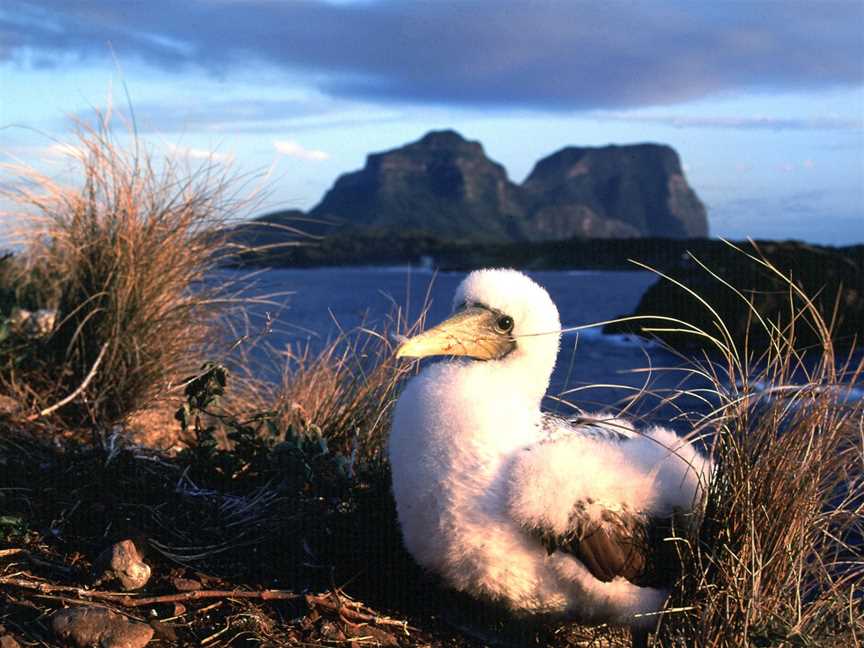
(8, 641)
(32, 323)
(86, 627)
(8, 405)
(122, 561)
(186, 584)
(442, 184)
(612, 192)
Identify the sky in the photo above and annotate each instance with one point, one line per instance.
(764, 101)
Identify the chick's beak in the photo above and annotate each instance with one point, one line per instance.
(470, 332)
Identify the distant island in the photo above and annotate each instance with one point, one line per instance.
(442, 196)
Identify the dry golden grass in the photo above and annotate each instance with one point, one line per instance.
(123, 258)
(779, 557)
(343, 393)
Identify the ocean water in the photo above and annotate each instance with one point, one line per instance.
(595, 372)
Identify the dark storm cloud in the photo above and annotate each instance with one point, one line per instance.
(559, 55)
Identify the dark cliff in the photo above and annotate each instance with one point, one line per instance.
(441, 184)
(613, 191)
(446, 186)
(832, 277)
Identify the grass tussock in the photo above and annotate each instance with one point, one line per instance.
(346, 391)
(779, 557)
(121, 258)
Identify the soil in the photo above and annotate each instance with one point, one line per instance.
(258, 557)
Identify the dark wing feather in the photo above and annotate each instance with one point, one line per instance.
(619, 544)
(554, 426)
(614, 543)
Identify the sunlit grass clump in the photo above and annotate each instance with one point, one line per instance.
(779, 557)
(121, 257)
(347, 390)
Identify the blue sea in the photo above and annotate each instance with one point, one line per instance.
(594, 371)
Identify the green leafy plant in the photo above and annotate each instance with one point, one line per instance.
(235, 451)
(13, 528)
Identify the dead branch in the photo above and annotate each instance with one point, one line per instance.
(127, 600)
(77, 392)
(346, 612)
(352, 615)
(11, 552)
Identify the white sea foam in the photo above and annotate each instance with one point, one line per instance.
(843, 393)
(596, 335)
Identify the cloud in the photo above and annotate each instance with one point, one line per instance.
(220, 116)
(550, 55)
(296, 150)
(249, 115)
(65, 151)
(791, 167)
(199, 154)
(746, 123)
(816, 215)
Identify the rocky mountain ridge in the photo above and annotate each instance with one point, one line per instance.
(445, 186)
(442, 184)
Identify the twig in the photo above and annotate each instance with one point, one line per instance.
(263, 595)
(217, 634)
(132, 601)
(345, 611)
(36, 560)
(350, 614)
(77, 392)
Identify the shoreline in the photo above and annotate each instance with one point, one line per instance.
(362, 249)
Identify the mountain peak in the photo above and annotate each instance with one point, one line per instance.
(445, 137)
(441, 183)
(641, 187)
(445, 185)
(449, 140)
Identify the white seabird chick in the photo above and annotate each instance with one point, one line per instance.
(508, 503)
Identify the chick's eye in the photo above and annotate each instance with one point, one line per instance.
(504, 324)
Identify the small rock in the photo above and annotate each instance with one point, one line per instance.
(331, 631)
(379, 636)
(123, 562)
(87, 627)
(8, 641)
(164, 631)
(43, 321)
(186, 585)
(8, 405)
(18, 318)
(32, 324)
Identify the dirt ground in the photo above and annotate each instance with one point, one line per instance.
(266, 557)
